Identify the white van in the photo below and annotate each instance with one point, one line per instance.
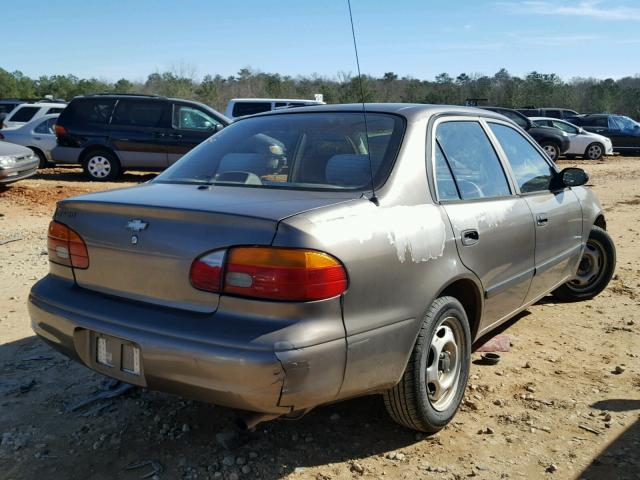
(241, 107)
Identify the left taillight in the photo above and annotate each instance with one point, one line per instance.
(66, 247)
(270, 273)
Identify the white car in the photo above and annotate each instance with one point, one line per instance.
(37, 134)
(242, 107)
(30, 111)
(590, 145)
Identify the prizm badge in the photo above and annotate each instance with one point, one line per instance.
(137, 225)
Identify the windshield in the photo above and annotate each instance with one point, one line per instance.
(308, 150)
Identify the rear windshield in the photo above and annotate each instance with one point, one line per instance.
(305, 151)
(241, 109)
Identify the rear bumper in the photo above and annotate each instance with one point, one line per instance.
(23, 170)
(217, 357)
(65, 154)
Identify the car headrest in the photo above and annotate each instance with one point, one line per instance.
(348, 170)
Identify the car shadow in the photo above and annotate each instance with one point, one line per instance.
(75, 174)
(38, 385)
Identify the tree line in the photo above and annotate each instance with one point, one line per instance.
(501, 89)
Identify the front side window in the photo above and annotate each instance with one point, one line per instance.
(473, 161)
(190, 118)
(46, 127)
(24, 114)
(533, 173)
(138, 114)
(565, 127)
(302, 151)
(623, 123)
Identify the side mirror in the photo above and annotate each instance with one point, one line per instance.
(573, 177)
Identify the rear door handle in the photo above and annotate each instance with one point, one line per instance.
(159, 134)
(542, 219)
(470, 237)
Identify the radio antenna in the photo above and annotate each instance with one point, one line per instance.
(373, 198)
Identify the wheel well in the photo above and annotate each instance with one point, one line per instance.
(601, 222)
(96, 148)
(466, 292)
(36, 149)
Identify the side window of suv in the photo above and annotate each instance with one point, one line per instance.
(136, 113)
(190, 118)
(23, 114)
(473, 162)
(532, 171)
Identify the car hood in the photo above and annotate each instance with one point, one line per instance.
(12, 149)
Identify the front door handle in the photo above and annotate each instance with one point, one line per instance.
(542, 219)
(470, 237)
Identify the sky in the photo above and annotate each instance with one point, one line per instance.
(113, 39)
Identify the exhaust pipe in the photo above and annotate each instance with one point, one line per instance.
(249, 421)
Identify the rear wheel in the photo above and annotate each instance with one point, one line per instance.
(43, 162)
(551, 149)
(594, 151)
(433, 384)
(595, 270)
(101, 166)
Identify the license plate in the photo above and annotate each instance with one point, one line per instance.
(116, 353)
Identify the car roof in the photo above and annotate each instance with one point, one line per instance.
(43, 104)
(411, 111)
(275, 100)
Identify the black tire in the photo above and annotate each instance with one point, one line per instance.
(594, 151)
(551, 149)
(600, 253)
(101, 166)
(43, 162)
(409, 403)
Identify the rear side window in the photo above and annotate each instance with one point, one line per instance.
(473, 162)
(55, 110)
(135, 113)
(95, 111)
(554, 113)
(533, 173)
(23, 114)
(45, 127)
(241, 109)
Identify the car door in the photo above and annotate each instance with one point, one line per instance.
(138, 129)
(190, 126)
(493, 226)
(557, 212)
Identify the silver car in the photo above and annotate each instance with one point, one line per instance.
(37, 134)
(16, 162)
(302, 257)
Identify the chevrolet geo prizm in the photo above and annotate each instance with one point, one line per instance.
(297, 258)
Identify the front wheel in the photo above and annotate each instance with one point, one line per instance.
(433, 384)
(594, 151)
(595, 269)
(551, 149)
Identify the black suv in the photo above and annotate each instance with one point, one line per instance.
(553, 141)
(109, 133)
(561, 113)
(624, 132)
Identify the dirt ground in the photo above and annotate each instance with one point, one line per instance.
(554, 407)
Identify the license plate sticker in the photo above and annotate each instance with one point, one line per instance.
(104, 353)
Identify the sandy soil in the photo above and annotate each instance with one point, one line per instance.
(553, 407)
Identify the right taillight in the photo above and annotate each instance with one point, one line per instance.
(271, 273)
(59, 130)
(66, 247)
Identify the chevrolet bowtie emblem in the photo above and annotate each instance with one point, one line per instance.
(136, 225)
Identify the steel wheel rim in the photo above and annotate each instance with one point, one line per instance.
(99, 166)
(591, 268)
(444, 363)
(551, 151)
(594, 152)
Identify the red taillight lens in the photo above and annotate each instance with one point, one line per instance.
(283, 274)
(206, 271)
(270, 273)
(59, 130)
(66, 247)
